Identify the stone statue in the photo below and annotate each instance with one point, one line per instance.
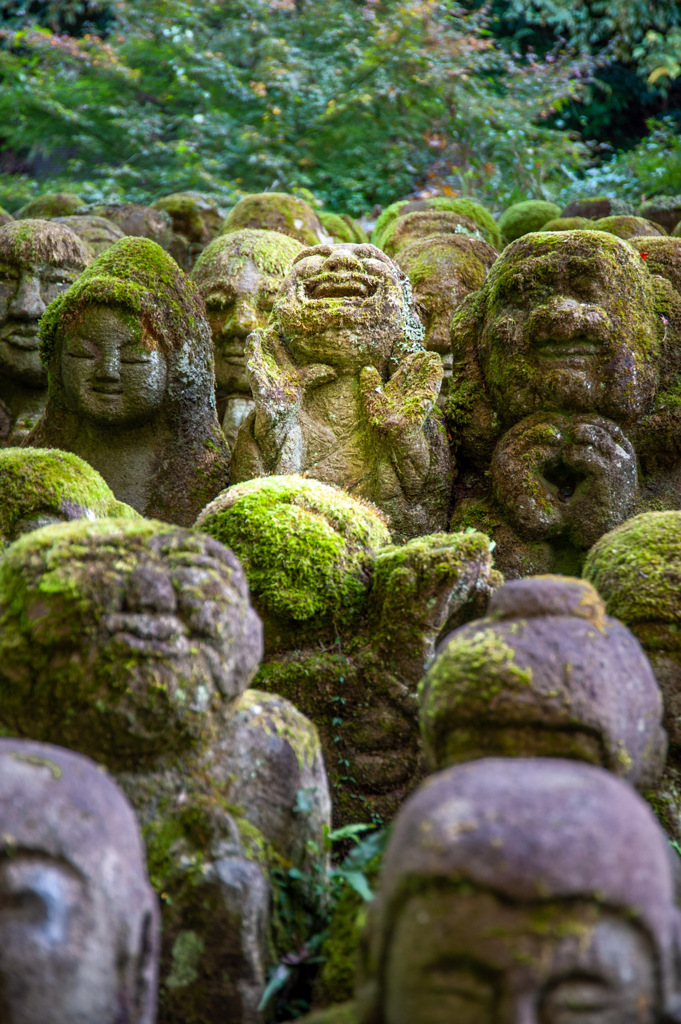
(196, 222)
(350, 622)
(136, 641)
(41, 486)
(131, 389)
(443, 269)
(38, 260)
(239, 276)
(421, 217)
(344, 389)
(277, 211)
(49, 205)
(558, 363)
(79, 928)
(523, 891)
(97, 232)
(545, 673)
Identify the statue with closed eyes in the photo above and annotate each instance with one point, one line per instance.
(131, 389)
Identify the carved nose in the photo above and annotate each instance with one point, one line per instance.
(561, 319)
(27, 303)
(108, 368)
(243, 320)
(342, 260)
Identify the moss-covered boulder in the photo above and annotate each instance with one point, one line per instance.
(664, 210)
(598, 206)
(566, 224)
(97, 232)
(545, 674)
(43, 486)
(350, 623)
(50, 204)
(277, 211)
(344, 390)
(38, 260)
(131, 382)
(522, 218)
(136, 641)
(627, 227)
(307, 548)
(239, 276)
(341, 227)
(466, 208)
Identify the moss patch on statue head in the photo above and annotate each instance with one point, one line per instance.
(627, 227)
(226, 256)
(306, 547)
(51, 204)
(530, 215)
(139, 276)
(25, 243)
(276, 211)
(467, 208)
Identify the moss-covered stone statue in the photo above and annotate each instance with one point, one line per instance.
(522, 218)
(41, 486)
(79, 923)
(38, 261)
(344, 390)
(277, 211)
(662, 255)
(134, 642)
(50, 204)
(637, 570)
(475, 218)
(565, 364)
(566, 224)
(350, 621)
(341, 227)
(138, 221)
(627, 227)
(442, 270)
(239, 276)
(595, 207)
(196, 221)
(522, 891)
(546, 673)
(97, 232)
(131, 389)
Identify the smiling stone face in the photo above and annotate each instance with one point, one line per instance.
(112, 375)
(341, 305)
(568, 322)
(155, 634)
(38, 261)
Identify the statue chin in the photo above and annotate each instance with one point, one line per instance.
(22, 366)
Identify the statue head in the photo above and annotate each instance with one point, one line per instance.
(307, 549)
(443, 269)
(277, 211)
(545, 673)
(346, 305)
(138, 220)
(42, 486)
(133, 637)
(568, 322)
(523, 891)
(628, 227)
(79, 924)
(473, 219)
(38, 261)
(195, 216)
(239, 276)
(637, 570)
(49, 205)
(97, 232)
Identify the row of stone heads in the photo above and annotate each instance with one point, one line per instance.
(533, 393)
(137, 643)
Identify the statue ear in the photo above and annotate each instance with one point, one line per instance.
(146, 971)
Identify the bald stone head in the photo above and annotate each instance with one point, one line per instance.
(523, 891)
(79, 927)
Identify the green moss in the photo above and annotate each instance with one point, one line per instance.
(521, 218)
(36, 482)
(627, 227)
(636, 569)
(466, 208)
(31, 242)
(306, 547)
(443, 256)
(425, 223)
(51, 204)
(270, 251)
(337, 227)
(193, 215)
(276, 211)
(279, 718)
(140, 276)
(566, 224)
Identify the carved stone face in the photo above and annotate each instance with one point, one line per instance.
(78, 925)
(235, 306)
(110, 378)
(25, 293)
(341, 305)
(472, 958)
(569, 324)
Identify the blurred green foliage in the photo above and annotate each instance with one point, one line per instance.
(357, 101)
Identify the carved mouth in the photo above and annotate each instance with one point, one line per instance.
(25, 338)
(340, 286)
(112, 392)
(571, 348)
